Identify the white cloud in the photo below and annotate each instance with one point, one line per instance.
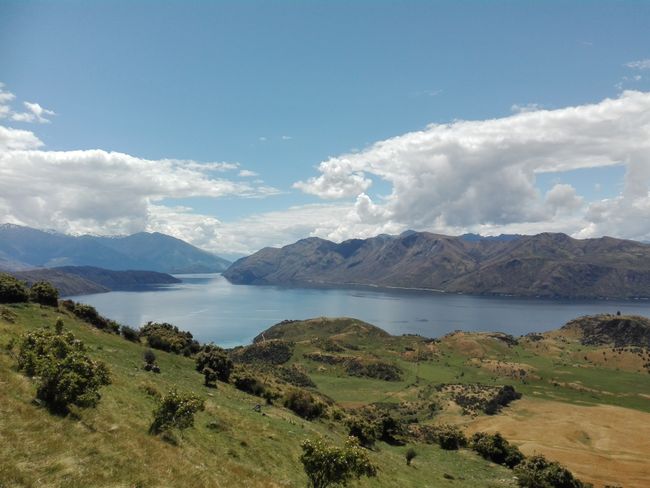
(15, 139)
(563, 198)
(102, 192)
(262, 139)
(641, 64)
(245, 173)
(286, 138)
(6, 98)
(34, 113)
(480, 175)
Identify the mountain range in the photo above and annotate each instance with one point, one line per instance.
(22, 248)
(547, 265)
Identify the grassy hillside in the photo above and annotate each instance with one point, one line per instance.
(230, 445)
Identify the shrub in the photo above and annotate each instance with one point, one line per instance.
(538, 472)
(304, 404)
(496, 449)
(130, 334)
(274, 351)
(89, 314)
(410, 455)
(446, 436)
(168, 337)
(214, 364)
(65, 374)
(364, 430)
(44, 293)
(294, 376)
(248, 383)
(149, 356)
(12, 290)
(175, 411)
(327, 465)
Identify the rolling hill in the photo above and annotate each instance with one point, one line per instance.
(548, 265)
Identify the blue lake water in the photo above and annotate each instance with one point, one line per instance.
(216, 311)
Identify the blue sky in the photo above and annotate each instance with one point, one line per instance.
(279, 87)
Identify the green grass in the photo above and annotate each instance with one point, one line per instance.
(109, 445)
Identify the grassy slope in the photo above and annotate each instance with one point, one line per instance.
(109, 445)
(560, 370)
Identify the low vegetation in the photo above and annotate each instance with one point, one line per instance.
(89, 314)
(169, 338)
(12, 290)
(389, 421)
(328, 465)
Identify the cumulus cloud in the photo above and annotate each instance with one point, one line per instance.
(34, 113)
(246, 173)
(478, 175)
(15, 139)
(528, 107)
(102, 192)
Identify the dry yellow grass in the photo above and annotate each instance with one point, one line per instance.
(604, 445)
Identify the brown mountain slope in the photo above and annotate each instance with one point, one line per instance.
(550, 265)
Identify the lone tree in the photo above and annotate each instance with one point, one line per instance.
(175, 411)
(328, 465)
(66, 375)
(44, 293)
(214, 364)
(12, 290)
(410, 455)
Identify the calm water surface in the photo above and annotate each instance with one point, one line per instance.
(215, 310)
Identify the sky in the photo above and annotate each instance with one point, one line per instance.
(240, 125)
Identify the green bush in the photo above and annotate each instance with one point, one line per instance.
(446, 436)
(175, 411)
(304, 404)
(44, 293)
(168, 337)
(248, 383)
(328, 465)
(410, 455)
(214, 364)
(495, 448)
(65, 374)
(12, 290)
(363, 429)
(274, 351)
(130, 334)
(538, 472)
(89, 314)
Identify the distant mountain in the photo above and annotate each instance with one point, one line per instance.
(548, 265)
(67, 284)
(85, 280)
(143, 251)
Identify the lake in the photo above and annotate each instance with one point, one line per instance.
(216, 311)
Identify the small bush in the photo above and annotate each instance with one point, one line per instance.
(44, 293)
(89, 314)
(410, 455)
(304, 404)
(274, 351)
(168, 337)
(364, 430)
(149, 356)
(327, 465)
(12, 290)
(447, 436)
(496, 449)
(130, 334)
(214, 364)
(294, 376)
(248, 383)
(538, 472)
(66, 375)
(175, 411)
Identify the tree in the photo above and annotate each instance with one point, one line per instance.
(496, 449)
(214, 364)
(175, 410)
(12, 290)
(66, 375)
(44, 293)
(328, 465)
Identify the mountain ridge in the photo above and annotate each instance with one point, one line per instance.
(546, 264)
(22, 246)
